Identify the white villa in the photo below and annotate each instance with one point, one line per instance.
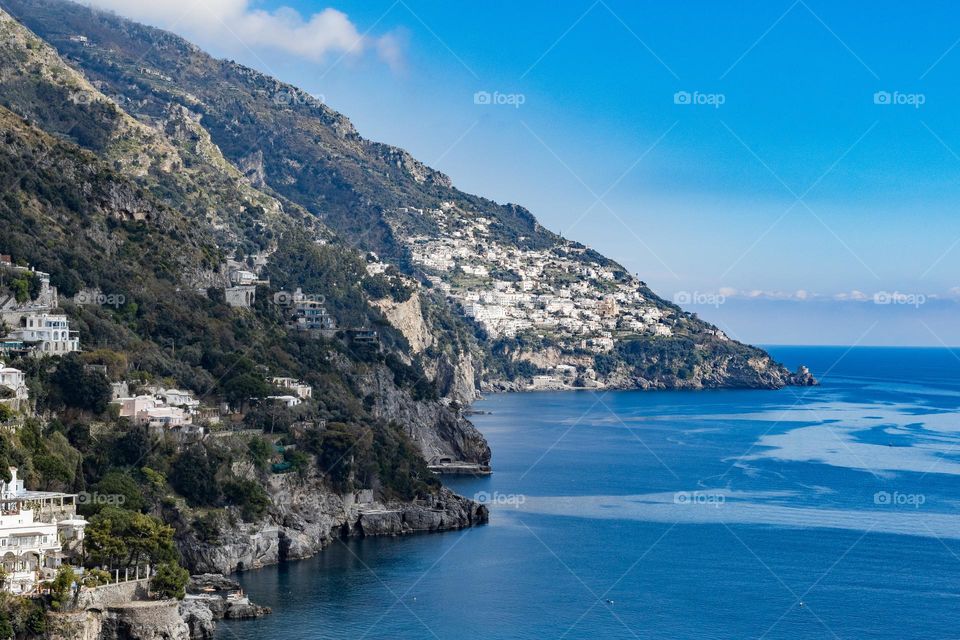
(287, 401)
(302, 390)
(48, 332)
(15, 380)
(152, 411)
(178, 398)
(34, 525)
(243, 277)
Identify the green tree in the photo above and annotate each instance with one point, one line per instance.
(75, 386)
(336, 455)
(117, 487)
(170, 581)
(36, 621)
(60, 587)
(240, 389)
(259, 451)
(249, 496)
(194, 476)
(119, 538)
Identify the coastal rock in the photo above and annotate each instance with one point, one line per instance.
(457, 379)
(74, 625)
(724, 372)
(306, 516)
(438, 429)
(803, 378)
(199, 619)
(146, 620)
(212, 597)
(442, 512)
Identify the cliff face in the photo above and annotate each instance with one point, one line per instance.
(407, 317)
(139, 620)
(437, 427)
(305, 517)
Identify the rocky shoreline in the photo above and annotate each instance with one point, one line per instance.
(766, 379)
(212, 597)
(305, 518)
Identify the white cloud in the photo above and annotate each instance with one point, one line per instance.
(235, 24)
(854, 295)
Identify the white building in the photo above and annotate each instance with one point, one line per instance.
(130, 407)
(164, 417)
(153, 411)
(302, 390)
(662, 330)
(32, 524)
(15, 380)
(178, 398)
(287, 401)
(243, 277)
(48, 333)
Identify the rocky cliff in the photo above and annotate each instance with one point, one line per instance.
(305, 517)
(132, 620)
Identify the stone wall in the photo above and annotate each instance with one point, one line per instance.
(112, 595)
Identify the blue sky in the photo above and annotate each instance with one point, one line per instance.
(789, 172)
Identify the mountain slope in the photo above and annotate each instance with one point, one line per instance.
(544, 310)
(149, 215)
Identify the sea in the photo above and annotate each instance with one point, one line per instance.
(823, 512)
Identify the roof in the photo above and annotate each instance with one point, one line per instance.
(37, 495)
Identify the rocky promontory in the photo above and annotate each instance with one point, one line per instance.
(306, 516)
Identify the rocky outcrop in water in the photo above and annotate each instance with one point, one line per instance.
(212, 597)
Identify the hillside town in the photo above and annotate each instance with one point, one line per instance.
(560, 292)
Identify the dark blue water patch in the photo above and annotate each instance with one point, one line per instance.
(716, 581)
(905, 436)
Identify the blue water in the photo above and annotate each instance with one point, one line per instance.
(828, 512)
